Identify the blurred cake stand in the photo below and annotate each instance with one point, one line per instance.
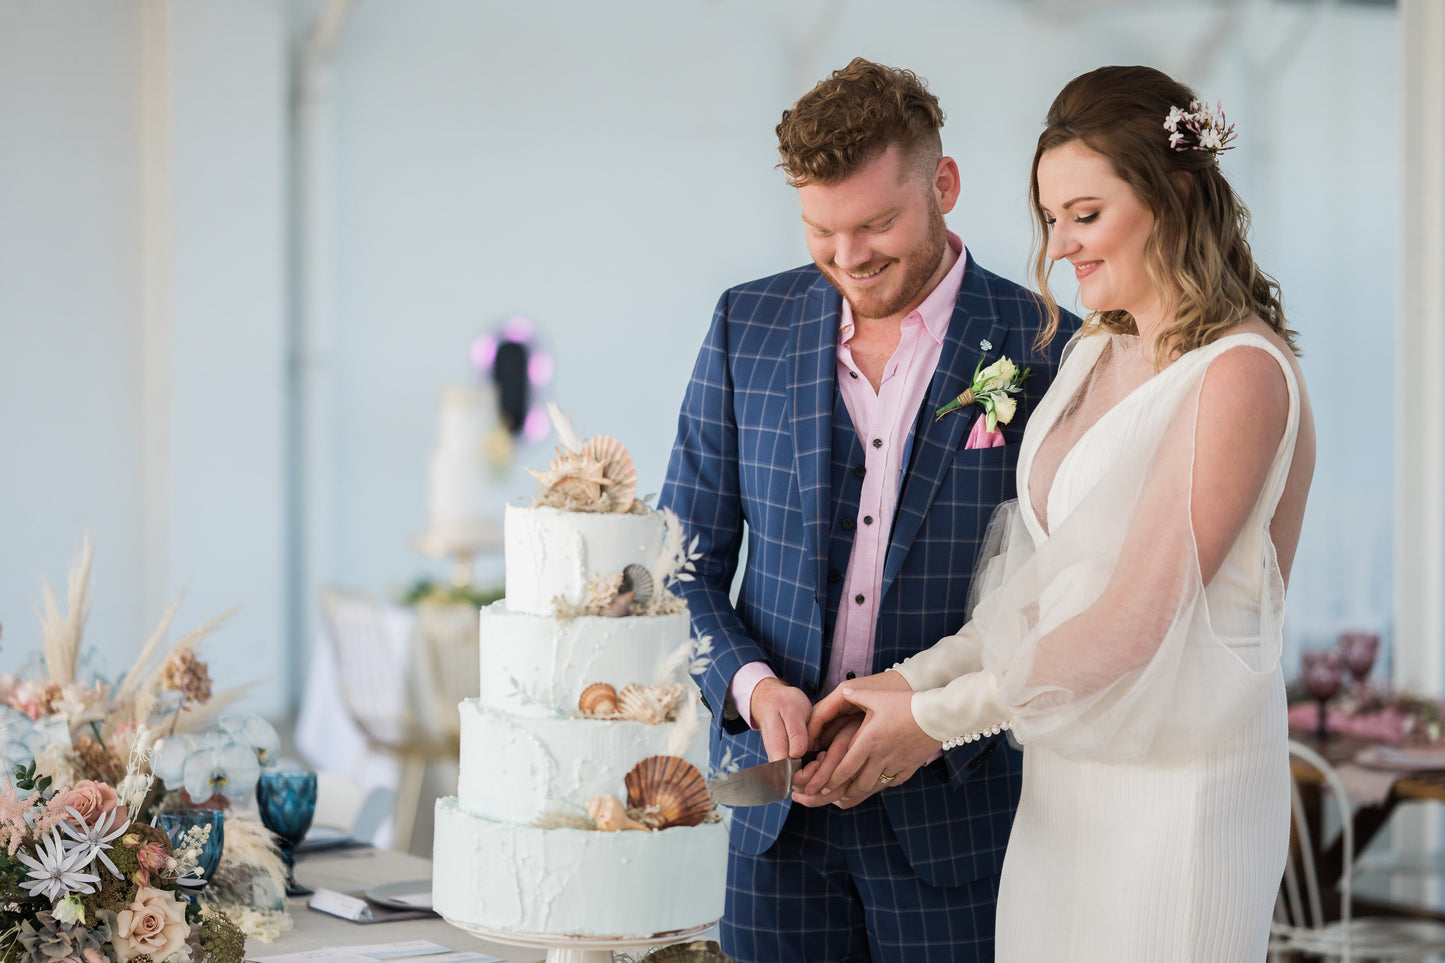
(461, 547)
(579, 949)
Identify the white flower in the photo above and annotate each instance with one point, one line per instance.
(1175, 116)
(997, 375)
(168, 759)
(230, 769)
(93, 841)
(54, 872)
(1003, 408)
(70, 910)
(1174, 139)
(1209, 139)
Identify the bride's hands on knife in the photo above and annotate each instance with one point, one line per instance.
(884, 742)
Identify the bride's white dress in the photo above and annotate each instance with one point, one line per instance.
(1154, 819)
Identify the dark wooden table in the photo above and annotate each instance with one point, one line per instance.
(1409, 786)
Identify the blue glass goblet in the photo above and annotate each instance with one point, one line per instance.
(287, 801)
(178, 822)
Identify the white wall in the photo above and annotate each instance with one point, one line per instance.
(606, 169)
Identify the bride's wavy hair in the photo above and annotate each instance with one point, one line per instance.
(1196, 256)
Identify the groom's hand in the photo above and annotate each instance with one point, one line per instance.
(781, 712)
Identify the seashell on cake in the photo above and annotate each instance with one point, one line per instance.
(610, 816)
(637, 580)
(668, 791)
(617, 467)
(598, 699)
(652, 704)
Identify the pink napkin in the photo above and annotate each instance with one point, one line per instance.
(981, 437)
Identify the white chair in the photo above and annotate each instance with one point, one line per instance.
(1300, 925)
(386, 673)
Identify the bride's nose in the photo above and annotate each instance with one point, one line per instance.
(1061, 241)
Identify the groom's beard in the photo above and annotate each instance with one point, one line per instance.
(917, 266)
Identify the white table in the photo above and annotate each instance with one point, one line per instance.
(358, 868)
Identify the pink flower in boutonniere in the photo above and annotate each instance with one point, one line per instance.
(991, 390)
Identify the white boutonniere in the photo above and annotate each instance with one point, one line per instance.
(991, 390)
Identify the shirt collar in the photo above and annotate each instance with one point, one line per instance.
(936, 309)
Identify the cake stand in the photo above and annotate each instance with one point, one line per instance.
(460, 547)
(579, 949)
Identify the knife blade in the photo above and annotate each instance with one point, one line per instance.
(758, 785)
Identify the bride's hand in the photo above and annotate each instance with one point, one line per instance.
(833, 746)
(886, 751)
(826, 714)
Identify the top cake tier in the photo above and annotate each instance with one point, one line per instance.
(550, 553)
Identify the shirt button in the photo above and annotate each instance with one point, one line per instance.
(860, 470)
(858, 598)
(877, 442)
(834, 576)
(848, 524)
(853, 375)
(867, 519)
(850, 675)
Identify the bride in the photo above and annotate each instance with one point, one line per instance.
(1127, 624)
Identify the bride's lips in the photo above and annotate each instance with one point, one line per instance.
(1084, 268)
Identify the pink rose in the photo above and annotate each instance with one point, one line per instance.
(154, 925)
(89, 798)
(92, 955)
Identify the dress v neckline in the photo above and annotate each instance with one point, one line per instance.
(1036, 525)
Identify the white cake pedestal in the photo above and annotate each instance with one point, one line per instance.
(460, 547)
(579, 949)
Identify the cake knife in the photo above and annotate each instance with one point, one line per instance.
(757, 785)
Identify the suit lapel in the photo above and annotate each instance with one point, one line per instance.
(937, 442)
(815, 357)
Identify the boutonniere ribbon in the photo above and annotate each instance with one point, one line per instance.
(991, 390)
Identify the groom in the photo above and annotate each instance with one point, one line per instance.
(809, 427)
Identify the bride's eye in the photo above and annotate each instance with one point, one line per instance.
(1050, 220)
(1087, 218)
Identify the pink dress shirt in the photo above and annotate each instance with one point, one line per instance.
(886, 416)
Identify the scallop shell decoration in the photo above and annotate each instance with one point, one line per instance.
(651, 704)
(637, 580)
(617, 468)
(598, 699)
(668, 791)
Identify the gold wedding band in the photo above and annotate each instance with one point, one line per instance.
(885, 780)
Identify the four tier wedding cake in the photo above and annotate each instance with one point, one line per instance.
(581, 807)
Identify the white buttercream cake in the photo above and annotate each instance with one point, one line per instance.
(571, 704)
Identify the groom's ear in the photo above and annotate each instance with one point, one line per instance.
(947, 183)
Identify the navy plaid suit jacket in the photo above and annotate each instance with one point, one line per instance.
(753, 454)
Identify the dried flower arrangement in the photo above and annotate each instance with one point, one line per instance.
(82, 880)
(147, 730)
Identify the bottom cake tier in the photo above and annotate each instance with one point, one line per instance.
(576, 882)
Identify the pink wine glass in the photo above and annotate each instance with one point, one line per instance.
(1360, 650)
(1323, 671)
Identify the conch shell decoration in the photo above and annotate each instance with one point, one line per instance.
(592, 476)
(633, 591)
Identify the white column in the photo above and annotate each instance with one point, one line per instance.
(214, 190)
(1419, 636)
(1419, 630)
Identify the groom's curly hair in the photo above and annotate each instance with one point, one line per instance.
(854, 115)
(1197, 255)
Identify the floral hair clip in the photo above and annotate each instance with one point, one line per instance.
(1201, 123)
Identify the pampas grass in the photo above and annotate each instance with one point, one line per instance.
(61, 631)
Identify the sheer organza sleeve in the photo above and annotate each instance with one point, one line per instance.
(1101, 641)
